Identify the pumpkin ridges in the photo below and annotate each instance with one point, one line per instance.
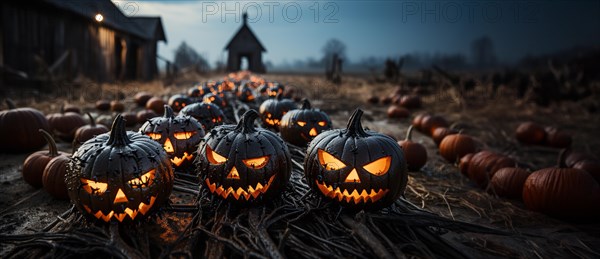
(54, 177)
(509, 181)
(414, 153)
(34, 164)
(19, 129)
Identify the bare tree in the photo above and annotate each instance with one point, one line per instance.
(483, 52)
(331, 48)
(187, 57)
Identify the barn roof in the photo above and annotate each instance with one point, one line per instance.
(245, 28)
(113, 17)
(151, 26)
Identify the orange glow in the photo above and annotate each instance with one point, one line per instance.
(322, 123)
(301, 123)
(99, 17)
(213, 157)
(252, 191)
(313, 132)
(168, 146)
(142, 207)
(184, 135)
(120, 198)
(380, 166)
(233, 174)
(352, 177)
(352, 196)
(93, 187)
(177, 161)
(143, 181)
(329, 162)
(155, 136)
(256, 163)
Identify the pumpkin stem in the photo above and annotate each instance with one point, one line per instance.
(118, 134)
(561, 158)
(92, 120)
(168, 112)
(305, 104)
(409, 133)
(62, 108)
(51, 143)
(11, 104)
(246, 124)
(279, 96)
(354, 126)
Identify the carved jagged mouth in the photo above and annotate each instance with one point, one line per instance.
(177, 161)
(273, 122)
(355, 196)
(246, 194)
(143, 208)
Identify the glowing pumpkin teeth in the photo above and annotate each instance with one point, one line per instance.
(344, 195)
(177, 161)
(132, 213)
(239, 192)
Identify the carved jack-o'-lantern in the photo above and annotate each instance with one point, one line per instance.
(272, 110)
(245, 94)
(179, 136)
(208, 114)
(300, 126)
(178, 102)
(214, 99)
(243, 163)
(119, 176)
(357, 168)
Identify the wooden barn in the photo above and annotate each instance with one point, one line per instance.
(57, 39)
(245, 44)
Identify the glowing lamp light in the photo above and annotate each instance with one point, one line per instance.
(99, 17)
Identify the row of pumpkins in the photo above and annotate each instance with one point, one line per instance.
(570, 191)
(120, 175)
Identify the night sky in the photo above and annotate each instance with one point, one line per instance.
(378, 28)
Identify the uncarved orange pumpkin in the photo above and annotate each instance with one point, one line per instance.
(484, 164)
(562, 192)
(508, 182)
(454, 147)
(414, 153)
(530, 133)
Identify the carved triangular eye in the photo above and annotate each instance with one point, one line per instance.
(301, 123)
(213, 157)
(329, 162)
(93, 187)
(322, 123)
(379, 167)
(256, 163)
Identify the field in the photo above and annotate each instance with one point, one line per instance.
(442, 213)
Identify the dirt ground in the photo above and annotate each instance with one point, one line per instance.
(438, 187)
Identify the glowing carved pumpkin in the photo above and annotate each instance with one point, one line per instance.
(178, 102)
(242, 163)
(245, 94)
(214, 99)
(179, 136)
(208, 114)
(272, 110)
(119, 176)
(357, 168)
(300, 126)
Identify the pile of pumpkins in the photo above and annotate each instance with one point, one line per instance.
(400, 102)
(569, 191)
